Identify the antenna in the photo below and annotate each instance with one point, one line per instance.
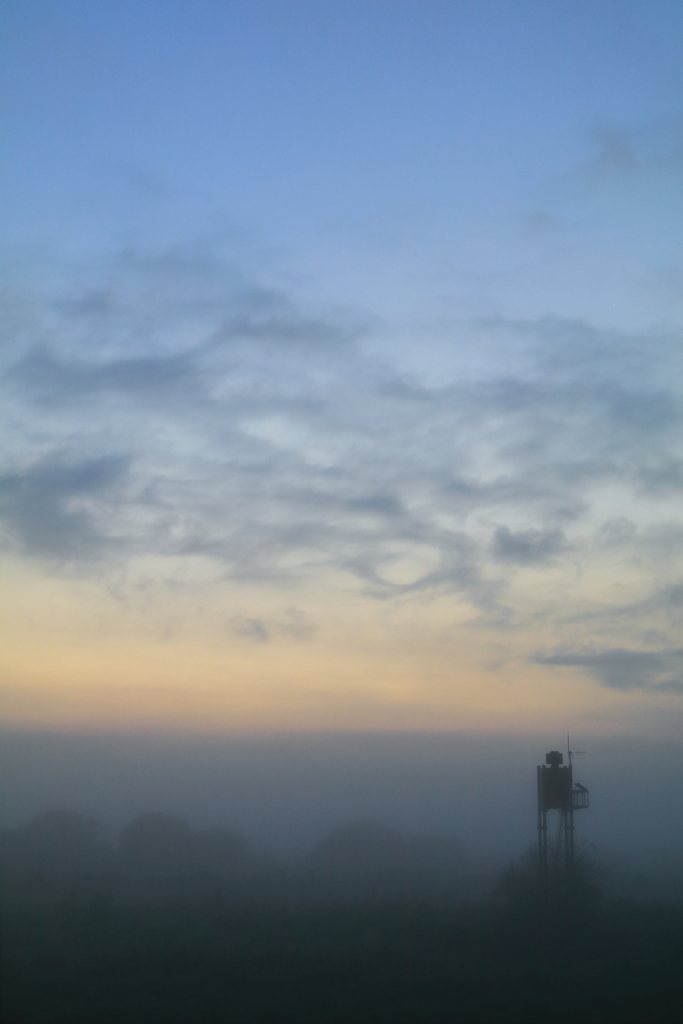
(572, 753)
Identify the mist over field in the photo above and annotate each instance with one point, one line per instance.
(285, 792)
(315, 878)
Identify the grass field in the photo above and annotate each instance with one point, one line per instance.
(99, 961)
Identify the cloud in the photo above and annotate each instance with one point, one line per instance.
(664, 604)
(42, 372)
(296, 625)
(48, 507)
(622, 669)
(251, 629)
(233, 422)
(615, 150)
(527, 547)
(662, 476)
(293, 624)
(619, 153)
(667, 600)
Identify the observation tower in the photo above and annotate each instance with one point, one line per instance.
(557, 791)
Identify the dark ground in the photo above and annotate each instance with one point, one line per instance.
(98, 960)
(173, 925)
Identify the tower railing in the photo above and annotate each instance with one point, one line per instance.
(579, 797)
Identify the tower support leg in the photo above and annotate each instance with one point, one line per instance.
(542, 838)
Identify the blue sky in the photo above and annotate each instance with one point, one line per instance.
(342, 359)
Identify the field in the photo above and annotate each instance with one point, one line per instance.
(97, 960)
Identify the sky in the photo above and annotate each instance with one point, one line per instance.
(341, 367)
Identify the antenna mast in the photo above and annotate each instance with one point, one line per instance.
(572, 753)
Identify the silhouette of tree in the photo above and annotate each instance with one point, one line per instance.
(162, 845)
(519, 888)
(362, 847)
(157, 844)
(56, 844)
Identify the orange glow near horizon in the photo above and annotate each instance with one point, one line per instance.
(103, 664)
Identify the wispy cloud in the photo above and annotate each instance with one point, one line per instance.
(527, 547)
(293, 623)
(175, 407)
(51, 508)
(623, 669)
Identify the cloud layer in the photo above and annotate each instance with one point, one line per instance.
(172, 407)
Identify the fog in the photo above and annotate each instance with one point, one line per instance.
(284, 794)
(327, 877)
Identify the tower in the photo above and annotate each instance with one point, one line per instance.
(557, 791)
